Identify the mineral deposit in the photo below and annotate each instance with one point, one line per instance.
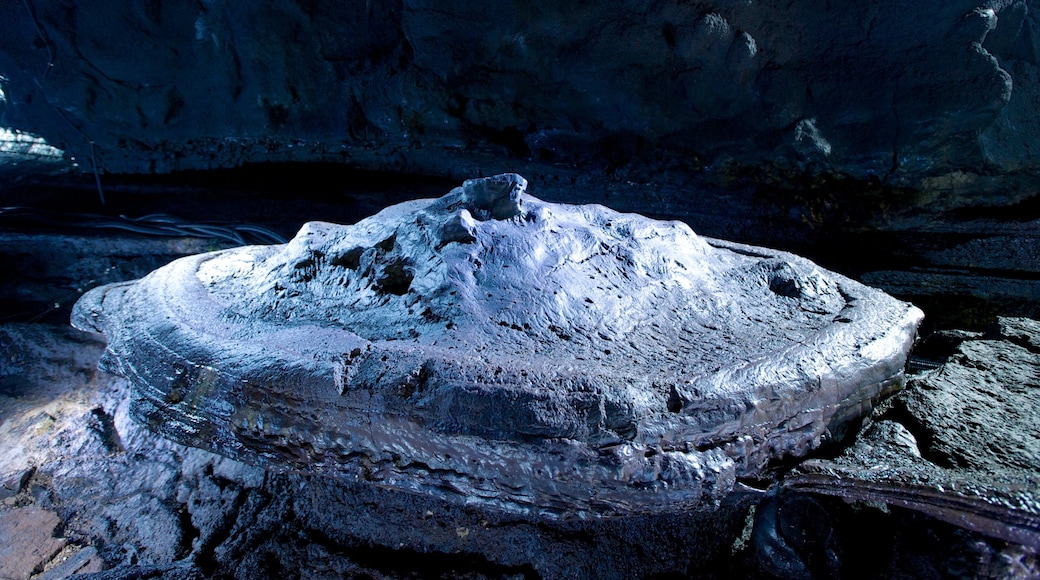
(493, 349)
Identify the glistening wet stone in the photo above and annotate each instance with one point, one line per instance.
(960, 444)
(492, 349)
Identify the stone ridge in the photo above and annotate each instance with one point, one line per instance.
(490, 345)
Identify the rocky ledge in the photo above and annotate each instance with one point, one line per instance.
(960, 443)
(490, 348)
(84, 487)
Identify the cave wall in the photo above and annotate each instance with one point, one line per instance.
(937, 96)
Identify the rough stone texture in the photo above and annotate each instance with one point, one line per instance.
(149, 507)
(27, 541)
(988, 391)
(860, 136)
(811, 535)
(961, 443)
(71, 561)
(493, 349)
(938, 95)
(242, 523)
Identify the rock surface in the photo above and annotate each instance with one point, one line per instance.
(961, 443)
(238, 521)
(491, 348)
(860, 136)
(62, 418)
(940, 96)
(27, 541)
(141, 505)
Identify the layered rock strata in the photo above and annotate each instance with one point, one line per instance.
(494, 349)
(960, 443)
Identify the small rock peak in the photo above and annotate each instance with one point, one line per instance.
(459, 227)
(496, 197)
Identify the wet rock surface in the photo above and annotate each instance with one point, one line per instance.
(939, 95)
(238, 521)
(960, 443)
(490, 348)
(139, 504)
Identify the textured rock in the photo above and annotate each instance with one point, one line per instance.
(240, 522)
(961, 443)
(978, 410)
(74, 561)
(939, 95)
(801, 535)
(773, 123)
(146, 506)
(27, 541)
(491, 348)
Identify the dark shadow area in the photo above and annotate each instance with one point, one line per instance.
(280, 196)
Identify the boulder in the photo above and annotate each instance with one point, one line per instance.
(127, 503)
(960, 444)
(491, 349)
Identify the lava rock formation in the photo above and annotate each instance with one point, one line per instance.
(491, 348)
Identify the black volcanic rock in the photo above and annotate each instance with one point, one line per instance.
(938, 96)
(123, 500)
(492, 349)
(960, 443)
(782, 124)
(129, 500)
